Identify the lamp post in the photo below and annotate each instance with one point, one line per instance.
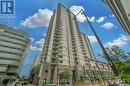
(101, 45)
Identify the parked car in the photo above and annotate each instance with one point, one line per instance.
(11, 84)
(24, 83)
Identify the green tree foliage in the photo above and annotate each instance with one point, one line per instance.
(64, 77)
(121, 60)
(116, 53)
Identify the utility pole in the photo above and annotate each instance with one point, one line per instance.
(101, 45)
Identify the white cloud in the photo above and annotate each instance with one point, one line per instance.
(41, 41)
(75, 9)
(44, 35)
(121, 41)
(108, 25)
(92, 39)
(112, 15)
(80, 17)
(91, 19)
(101, 19)
(34, 48)
(39, 44)
(32, 39)
(41, 18)
(15, 28)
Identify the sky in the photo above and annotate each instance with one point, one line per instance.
(33, 16)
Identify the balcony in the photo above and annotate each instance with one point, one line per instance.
(57, 36)
(83, 49)
(9, 62)
(54, 60)
(82, 45)
(58, 39)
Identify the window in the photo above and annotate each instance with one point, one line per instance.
(61, 61)
(46, 71)
(60, 56)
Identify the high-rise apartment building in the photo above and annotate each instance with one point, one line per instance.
(121, 9)
(67, 49)
(14, 45)
(37, 60)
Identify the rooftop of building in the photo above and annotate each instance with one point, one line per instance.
(4, 26)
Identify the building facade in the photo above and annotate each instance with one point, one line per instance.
(67, 49)
(14, 45)
(34, 71)
(37, 60)
(121, 9)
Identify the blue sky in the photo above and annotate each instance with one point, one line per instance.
(32, 16)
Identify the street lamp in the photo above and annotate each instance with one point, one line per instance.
(101, 45)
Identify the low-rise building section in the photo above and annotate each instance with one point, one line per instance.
(14, 46)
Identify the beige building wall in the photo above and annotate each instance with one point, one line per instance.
(14, 45)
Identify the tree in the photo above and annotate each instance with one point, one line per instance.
(125, 71)
(121, 60)
(65, 76)
(116, 53)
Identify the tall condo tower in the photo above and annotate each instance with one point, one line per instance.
(65, 49)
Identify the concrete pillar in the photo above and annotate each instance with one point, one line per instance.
(55, 76)
(78, 73)
(41, 75)
(40, 81)
(49, 74)
(71, 74)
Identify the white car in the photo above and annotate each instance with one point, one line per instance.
(11, 84)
